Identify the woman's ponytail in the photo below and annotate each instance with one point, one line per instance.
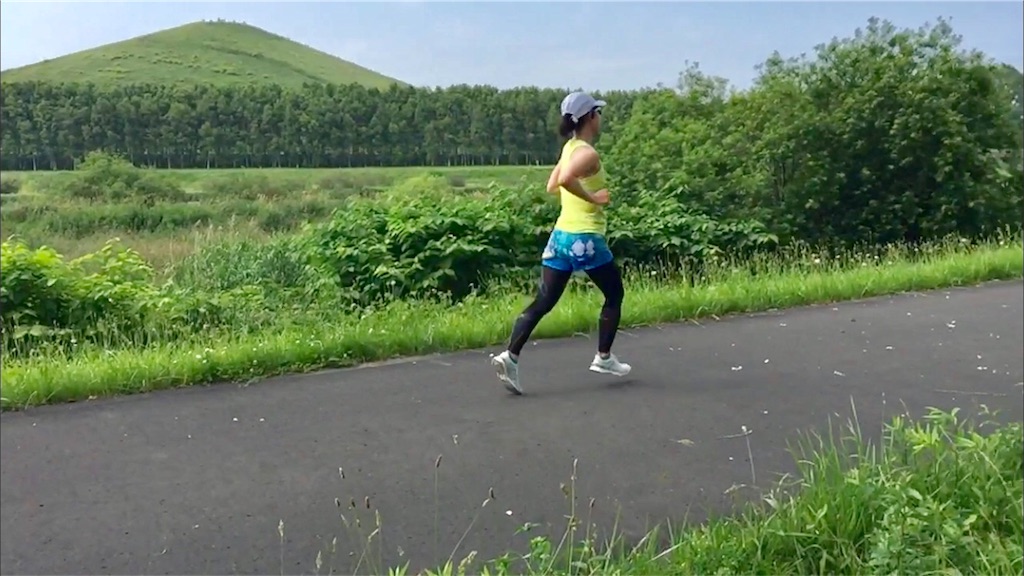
(567, 126)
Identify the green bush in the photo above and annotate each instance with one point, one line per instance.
(77, 220)
(9, 185)
(457, 181)
(342, 184)
(103, 177)
(277, 267)
(250, 186)
(422, 238)
(291, 214)
(105, 294)
(43, 295)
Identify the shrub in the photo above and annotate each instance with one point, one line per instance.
(42, 295)
(457, 181)
(9, 185)
(342, 183)
(421, 238)
(250, 186)
(418, 237)
(105, 296)
(77, 220)
(278, 268)
(103, 177)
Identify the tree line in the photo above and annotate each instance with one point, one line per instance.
(52, 126)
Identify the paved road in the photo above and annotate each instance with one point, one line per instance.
(196, 481)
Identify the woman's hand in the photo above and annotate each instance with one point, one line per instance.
(601, 197)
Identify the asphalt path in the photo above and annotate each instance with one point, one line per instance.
(199, 480)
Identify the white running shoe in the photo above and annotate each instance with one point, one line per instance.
(609, 365)
(508, 371)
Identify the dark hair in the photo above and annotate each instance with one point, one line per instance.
(566, 127)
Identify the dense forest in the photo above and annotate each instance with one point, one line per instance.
(50, 126)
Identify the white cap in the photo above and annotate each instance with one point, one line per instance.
(578, 104)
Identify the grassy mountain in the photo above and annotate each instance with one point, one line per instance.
(216, 53)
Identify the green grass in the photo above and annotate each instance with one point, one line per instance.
(252, 203)
(331, 338)
(200, 181)
(937, 495)
(217, 53)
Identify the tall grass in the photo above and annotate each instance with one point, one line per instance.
(45, 208)
(313, 337)
(938, 495)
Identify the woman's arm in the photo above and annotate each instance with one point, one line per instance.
(583, 162)
(553, 180)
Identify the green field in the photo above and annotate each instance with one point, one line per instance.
(215, 204)
(214, 53)
(199, 181)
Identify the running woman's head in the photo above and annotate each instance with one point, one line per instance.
(581, 116)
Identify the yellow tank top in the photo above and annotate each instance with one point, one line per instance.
(577, 215)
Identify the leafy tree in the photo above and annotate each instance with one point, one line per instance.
(892, 135)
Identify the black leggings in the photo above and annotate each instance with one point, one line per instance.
(552, 285)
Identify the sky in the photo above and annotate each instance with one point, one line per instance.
(591, 45)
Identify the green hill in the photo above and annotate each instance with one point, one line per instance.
(218, 53)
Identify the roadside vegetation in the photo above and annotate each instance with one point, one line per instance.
(253, 273)
(123, 334)
(938, 494)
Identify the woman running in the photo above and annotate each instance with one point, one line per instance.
(577, 242)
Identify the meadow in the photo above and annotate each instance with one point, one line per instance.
(205, 205)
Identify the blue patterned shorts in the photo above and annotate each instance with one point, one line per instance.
(575, 252)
